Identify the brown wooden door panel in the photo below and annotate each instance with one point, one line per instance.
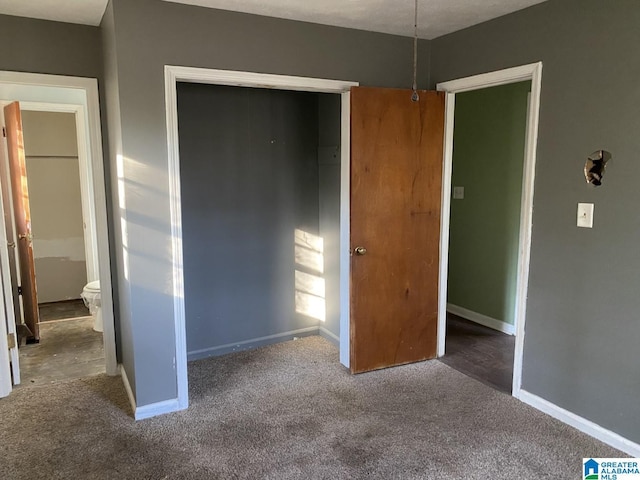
(396, 182)
(20, 195)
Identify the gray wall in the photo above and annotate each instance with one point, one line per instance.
(112, 137)
(55, 200)
(249, 179)
(329, 137)
(582, 330)
(150, 34)
(40, 46)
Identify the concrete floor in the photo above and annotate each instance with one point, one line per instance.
(68, 349)
(62, 310)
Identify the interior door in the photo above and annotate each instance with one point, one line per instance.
(9, 297)
(5, 371)
(13, 280)
(396, 183)
(20, 195)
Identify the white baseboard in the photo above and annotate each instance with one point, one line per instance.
(332, 337)
(158, 408)
(127, 387)
(482, 319)
(151, 410)
(582, 424)
(251, 343)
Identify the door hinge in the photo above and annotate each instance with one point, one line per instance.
(11, 340)
(4, 132)
(19, 290)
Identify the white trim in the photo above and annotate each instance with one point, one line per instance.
(147, 411)
(58, 89)
(257, 80)
(481, 319)
(491, 79)
(345, 230)
(531, 72)
(251, 343)
(445, 218)
(580, 423)
(158, 408)
(127, 388)
(332, 337)
(5, 369)
(526, 221)
(171, 78)
(172, 75)
(8, 326)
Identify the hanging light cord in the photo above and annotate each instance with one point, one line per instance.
(414, 96)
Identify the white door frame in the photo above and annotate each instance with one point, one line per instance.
(532, 72)
(174, 74)
(5, 371)
(78, 95)
(7, 297)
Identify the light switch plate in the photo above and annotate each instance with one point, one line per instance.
(585, 215)
(458, 193)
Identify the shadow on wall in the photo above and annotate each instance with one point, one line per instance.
(147, 322)
(131, 187)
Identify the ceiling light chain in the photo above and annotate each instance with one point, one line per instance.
(414, 96)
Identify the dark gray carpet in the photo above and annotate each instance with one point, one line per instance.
(290, 411)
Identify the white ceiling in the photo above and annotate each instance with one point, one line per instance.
(436, 17)
(88, 12)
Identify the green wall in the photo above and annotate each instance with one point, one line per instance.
(488, 155)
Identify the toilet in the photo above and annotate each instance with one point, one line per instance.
(91, 298)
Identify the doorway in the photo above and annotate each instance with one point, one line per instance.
(260, 183)
(174, 75)
(78, 98)
(488, 158)
(513, 303)
(69, 339)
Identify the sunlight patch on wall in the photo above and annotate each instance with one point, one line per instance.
(309, 286)
(309, 251)
(123, 208)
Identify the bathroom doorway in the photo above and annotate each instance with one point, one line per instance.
(68, 340)
(69, 250)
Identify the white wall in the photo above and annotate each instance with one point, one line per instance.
(56, 209)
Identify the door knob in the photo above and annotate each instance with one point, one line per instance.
(360, 250)
(28, 236)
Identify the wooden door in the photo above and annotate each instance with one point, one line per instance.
(20, 195)
(12, 280)
(9, 280)
(396, 183)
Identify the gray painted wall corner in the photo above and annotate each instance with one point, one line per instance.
(194, 36)
(581, 320)
(112, 138)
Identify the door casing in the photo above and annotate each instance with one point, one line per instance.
(175, 74)
(80, 96)
(532, 72)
